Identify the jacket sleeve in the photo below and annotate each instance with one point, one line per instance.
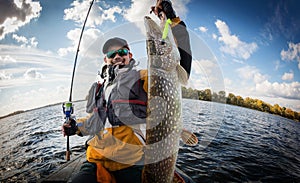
(81, 123)
(183, 42)
(93, 124)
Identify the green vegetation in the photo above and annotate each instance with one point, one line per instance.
(256, 104)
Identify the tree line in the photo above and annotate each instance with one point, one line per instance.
(256, 104)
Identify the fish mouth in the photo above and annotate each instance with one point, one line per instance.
(147, 17)
(152, 29)
(147, 21)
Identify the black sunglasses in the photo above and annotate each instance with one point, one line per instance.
(121, 52)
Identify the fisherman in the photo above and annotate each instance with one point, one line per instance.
(115, 154)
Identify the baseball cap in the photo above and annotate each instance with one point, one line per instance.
(116, 41)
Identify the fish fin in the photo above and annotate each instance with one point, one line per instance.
(182, 75)
(189, 138)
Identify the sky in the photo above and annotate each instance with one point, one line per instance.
(248, 48)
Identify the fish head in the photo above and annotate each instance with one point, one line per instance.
(162, 53)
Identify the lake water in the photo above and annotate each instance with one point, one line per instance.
(235, 144)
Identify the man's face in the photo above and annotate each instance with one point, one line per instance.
(117, 55)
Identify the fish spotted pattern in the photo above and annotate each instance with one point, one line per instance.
(164, 123)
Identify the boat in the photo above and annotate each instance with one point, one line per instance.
(65, 173)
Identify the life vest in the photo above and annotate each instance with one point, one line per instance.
(127, 102)
(117, 147)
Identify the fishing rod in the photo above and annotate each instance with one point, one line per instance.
(68, 106)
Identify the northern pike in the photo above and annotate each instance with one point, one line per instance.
(164, 123)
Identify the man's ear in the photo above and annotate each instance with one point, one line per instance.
(104, 59)
(130, 55)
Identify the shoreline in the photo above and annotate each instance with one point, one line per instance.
(23, 111)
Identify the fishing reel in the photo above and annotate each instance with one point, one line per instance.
(68, 110)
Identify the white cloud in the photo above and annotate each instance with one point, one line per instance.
(17, 14)
(32, 73)
(72, 35)
(90, 37)
(293, 53)
(196, 67)
(203, 67)
(288, 76)
(32, 42)
(238, 61)
(77, 13)
(5, 76)
(198, 82)
(263, 87)
(284, 90)
(27, 74)
(19, 63)
(19, 39)
(97, 15)
(251, 73)
(137, 10)
(206, 74)
(31, 78)
(180, 7)
(109, 14)
(7, 59)
(228, 84)
(232, 44)
(29, 43)
(203, 29)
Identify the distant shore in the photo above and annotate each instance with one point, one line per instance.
(231, 99)
(22, 111)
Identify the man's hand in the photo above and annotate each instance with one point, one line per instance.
(70, 128)
(163, 6)
(157, 8)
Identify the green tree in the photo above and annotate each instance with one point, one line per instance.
(248, 102)
(207, 95)
(277, 109)
(189, 93)
(289, 113)
(231, 99)
(222, 96)
(239, 101)
(215, 97)
(201, 94)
